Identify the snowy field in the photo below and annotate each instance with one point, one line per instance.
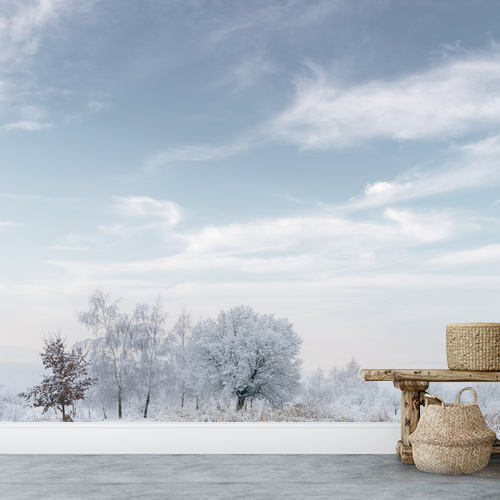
(297, 412)
(365, 403)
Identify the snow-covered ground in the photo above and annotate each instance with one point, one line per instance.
(299, 412)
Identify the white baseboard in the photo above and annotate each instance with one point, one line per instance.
(198, 438)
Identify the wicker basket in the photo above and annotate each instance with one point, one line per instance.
(473, 346)
(452, 438)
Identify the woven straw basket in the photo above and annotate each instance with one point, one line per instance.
(473, 346)
(452, 438)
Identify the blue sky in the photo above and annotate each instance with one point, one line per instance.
(332, 162)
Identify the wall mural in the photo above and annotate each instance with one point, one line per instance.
(241, 366)
(223, 211)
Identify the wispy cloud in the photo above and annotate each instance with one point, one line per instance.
(485, 254)
(455, 98)
(96, 106)
(7, 223)
(74, 242)
(24, 25)
(445, 101)
(476, 166)
(279, 15)
(25, 125)
(248, 72)
(196, 154)
(159, 214)
(20, 35)
(294, 245)
(144, 206)
(284, 196)
(33, 118)
(395, 227)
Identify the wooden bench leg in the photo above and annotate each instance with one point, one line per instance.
(496, 448)
(412, 392)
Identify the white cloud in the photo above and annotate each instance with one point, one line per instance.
(396, 227)
(32, 118)
(27, 125)
(248, 71)
(158, 214)
(24, 25)
(117, 229)
(20, 32)
(488, 253)
(74, 242)
(297, 246)
(143, 206)
(195, 154)
(446, 101)
(7, 223)
(280, 16)
(96, 106)
(476, 167)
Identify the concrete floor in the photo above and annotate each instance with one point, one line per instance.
(221, 477)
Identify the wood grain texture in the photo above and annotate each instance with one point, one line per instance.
(410, 414)
(436, 375)
(496, 448)
(405, 453)
(411, 385)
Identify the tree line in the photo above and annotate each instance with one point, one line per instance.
(133, 357)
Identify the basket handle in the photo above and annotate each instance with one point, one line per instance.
(467, 389)
(428, 396)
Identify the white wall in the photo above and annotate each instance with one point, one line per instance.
(196, 438)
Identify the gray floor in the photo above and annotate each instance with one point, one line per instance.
(123, 477)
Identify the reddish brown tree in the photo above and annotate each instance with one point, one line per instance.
(66, 385)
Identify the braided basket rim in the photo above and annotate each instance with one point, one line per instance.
(472, 324)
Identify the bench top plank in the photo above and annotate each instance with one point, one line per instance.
(438, 375)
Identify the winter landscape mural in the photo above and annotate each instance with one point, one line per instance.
(222, 210)
(134, 366)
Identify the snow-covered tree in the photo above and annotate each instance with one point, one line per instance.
(67, 382)
(488, 393)
(350, 387)
(319, 387)
(14, 407)
(115, 343)
(347, 379)
(152, 348)
(2, 403)
(244, 354)
(180, 334)
(102, 395)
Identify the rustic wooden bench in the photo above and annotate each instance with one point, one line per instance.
(413, 385)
